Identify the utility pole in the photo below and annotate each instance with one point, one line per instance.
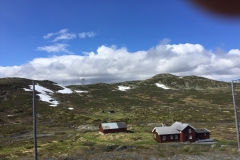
(34, 123)
(64, 83)
(236, 114)
(83, 81)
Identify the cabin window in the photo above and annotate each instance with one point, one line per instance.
(205, 134)
(176, 136)
(171, 136)
(164, 137)
(189, 130)
(154, 135)
(190, 137)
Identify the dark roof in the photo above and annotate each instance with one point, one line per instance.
(121, 124)
(202, 130)
(114, 125)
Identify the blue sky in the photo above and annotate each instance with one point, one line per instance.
(115, 40)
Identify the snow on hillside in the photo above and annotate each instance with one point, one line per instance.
(54, 103)
(123, 88)
(27, 89)
(44, 94)
(81, 91)
(65, 90)
(162, 86)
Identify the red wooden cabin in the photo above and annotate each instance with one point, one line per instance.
(179, 132)
(113, 127)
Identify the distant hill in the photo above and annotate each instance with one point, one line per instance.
(84, 101)
(187, 82)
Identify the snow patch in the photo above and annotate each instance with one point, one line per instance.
(123, 88)
(81, 91)
(54, 103)
(162, 86)
(40, 88)
(44, 94)
(65, 90)
(25, 89)
(70, 108)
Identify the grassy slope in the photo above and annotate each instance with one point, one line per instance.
(195, 100)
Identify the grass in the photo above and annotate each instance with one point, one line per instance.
(203, 104)
(72, 143)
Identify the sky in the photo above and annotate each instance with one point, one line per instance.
(111, 41)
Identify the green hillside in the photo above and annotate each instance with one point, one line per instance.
(198, 101)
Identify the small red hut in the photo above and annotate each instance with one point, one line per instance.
(113, 127)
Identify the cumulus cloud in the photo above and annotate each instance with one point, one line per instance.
(61, 35)
(86, 34)
(111, 64)
(55, 48)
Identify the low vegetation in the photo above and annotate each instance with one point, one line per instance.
(64, 133)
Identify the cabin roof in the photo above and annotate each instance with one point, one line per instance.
(165, 130)
(175, 128)
(181, 126)
(202, 130)
(113, 125)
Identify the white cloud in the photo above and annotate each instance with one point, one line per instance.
(86, 34)
(65, 36)
(61, 35)
(48, 35)
(56, 48)
(62, 31)
(111, 64)
(234, 52)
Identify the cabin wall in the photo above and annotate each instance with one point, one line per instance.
(202, 136)
(101, 129)
(112, 130)
(185, 135)
(168, 138)
(156, 137)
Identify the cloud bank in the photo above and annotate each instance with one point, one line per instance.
(111, 64)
